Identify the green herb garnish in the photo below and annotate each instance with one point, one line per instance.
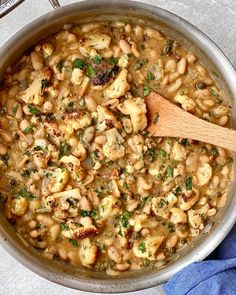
(90, 72)
(79, 63)
(150, 76)
(33, 110)
(74, 243)
(156, 119)
(169, 172)
(163, 155)
(97, 59)
(142, 247)
(188, 183)
(60, 65)
(28, 128)
(24, 193)
(64, 150)
(146, 90)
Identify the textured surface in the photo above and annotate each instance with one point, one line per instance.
(217, 18)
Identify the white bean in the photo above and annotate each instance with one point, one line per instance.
(37, 61)
(91, 104)
(89, 134)
(223, 120)
(182, 65)
(175, 86)
(3, 149)
(125, 47)
(114, 254)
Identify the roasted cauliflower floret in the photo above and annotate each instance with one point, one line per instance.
(178, 152)
(87, 252)
(73, 165)
(136, 108)
(58, 180)
(204, 173)
(94, 41)
(76, 120)
(84, 230)
(138, 221)
(194, 218)
(188, 198)
(47, 49)
(187, 103)
(77, 76)
(178, 216)
(19, 206)
(113, 149)
(147, 248)
(118, 87)
(109, 206)
(106, 119)
(33, 94)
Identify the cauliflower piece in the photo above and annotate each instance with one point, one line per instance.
(147, 248)
(82, 231)
(80, 151)
(77, 76)
(58, 180)
(109, 206)
(73, 165)
(47, 49)
(92, 41)
(33, 94)
(178, 216)
(188, 198)
(19, 206)
(87, 252)
(123, 61)
(178, 152)
(119, 86)
(113, 148)
(187, 103)
(204, 173)
(106, 119)
(76, 120)
(137, 221)
(194, 218)
(136, 108)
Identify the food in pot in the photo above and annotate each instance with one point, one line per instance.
(82, 181)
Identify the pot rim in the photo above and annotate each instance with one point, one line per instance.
(210, 242)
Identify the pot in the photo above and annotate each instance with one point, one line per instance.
(212, 57)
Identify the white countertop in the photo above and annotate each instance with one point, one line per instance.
(217, 18)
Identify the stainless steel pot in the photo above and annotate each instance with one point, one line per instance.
(213, 58)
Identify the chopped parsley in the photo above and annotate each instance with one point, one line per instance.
(64, 150)
(171, 227)
(15, 109)
(114, 61)
(125, 186)
(90, 72)
(38, 148)
(163, 155)
(146, 90)
(161, 203)
(124, 219)
(151, 154)
(156, 118)
(142, 247)
(63, 226)
(97, 59)
(44, 83)
(25, 173)
(188, 183)
(24, 193)
(169, 172)
(150, 76)
(60, 65)
(74, 243)
(79, 63)
(85, 213)
(71, 104)
(33, 110)
(177, 191)
(48, 174)
(28, 128)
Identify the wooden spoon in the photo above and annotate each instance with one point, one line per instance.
(167, 119)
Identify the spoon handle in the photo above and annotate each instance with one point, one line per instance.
(175, 122)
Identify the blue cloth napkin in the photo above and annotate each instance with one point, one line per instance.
(214, 276)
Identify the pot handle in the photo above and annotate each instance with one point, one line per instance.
(55, 3)
(8, 5)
